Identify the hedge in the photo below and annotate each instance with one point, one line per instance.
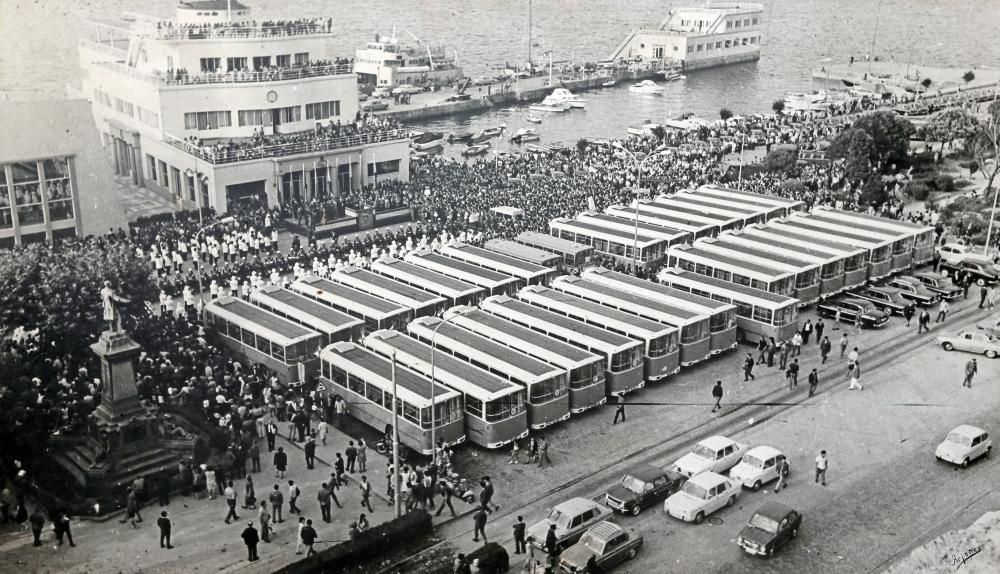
(370, 546)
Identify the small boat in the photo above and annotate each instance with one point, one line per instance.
(562, 95)
(429, 151)
(645, 129)
(646, 87)
(535, 148)
(671, 74)
(609, 83)
(507, 111)
(547, 106)
(533, 119)
(480, 137)
(459, 137)
(525, 135)
(476, 149)
(427, 141)
(494, 132)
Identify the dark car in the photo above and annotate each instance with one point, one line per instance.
(914, 290)
(982, 270)
(770, 528)
(642, 486)
(888, 299)
(939, 284)
(850, 308)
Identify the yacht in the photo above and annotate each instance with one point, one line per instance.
(671, 74)
(533, 119)
(427, 140)
(389, 62)
(476, 149)
(562, 95)
(646, 87)
(644, 129)
(549, 106)
(806, 102)
(525, 135)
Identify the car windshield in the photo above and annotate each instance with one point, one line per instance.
(704, 452)
(592, 542)
(959, 439)
(695, 491)
(633, 484)
(764, 523)
(753, 461)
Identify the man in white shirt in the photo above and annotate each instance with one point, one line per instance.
(821, 465)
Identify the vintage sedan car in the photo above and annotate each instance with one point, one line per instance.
(642, 486)
(758, 466)
(850, 308)
(992, 328)
(702, 495)
(982, 269)
(939, 284)
(770, 528)
(374, 106)
(953, 252)
(571, 518)
(964, 444)
(972, 342)
(608, 543)
(888, 299)
(715, 453)
(913, 289)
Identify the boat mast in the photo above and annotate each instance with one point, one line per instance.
(529, 33)
(871, 54)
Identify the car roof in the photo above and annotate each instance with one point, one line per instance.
(930, 274)
(576, 504)
(716, 442)
(764, 452)
(884, 289)
(856, 300)
(707, 479)
(981, 260)
(646, 472)
(605, 530)
(906, 279)
(774, 510)
(968, 430)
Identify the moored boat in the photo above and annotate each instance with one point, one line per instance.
(428, 140)
(533, 119)
(459, 137)
(609, 83)
(476, 149)
(646, 87)
(644, 129)
(525, 135)
(494, 132)
(547, 106)
(562, 95)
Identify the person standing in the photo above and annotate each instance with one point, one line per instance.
(249, 494)
(792, 374)
(620, 410)
(796, 344)
(519, 545)
(486, 495)
(164, 523)
(836, 321)
(308, 537)
(820, 327)
(293, 496)
(942, 311)
(338, 466)
(782, 473)
(265, 522)
(323, 497)
(761, 350)
(352, 456)
(543, 452)
(37, 520)
(310, 451)
(298, 535)
(807, 330)
(251, 538)
(62, 528)
(254, 453)
(271, 432)
(970, 371)
(813, 382)
(748, 364)
(783, 352)
(717, 394)
(908, 312)
(322, 429)
(843, 344)
(821, 465)
(479, 523)
(772, 348)
(551, 541)
(983, 294)
(824, 347)
(366, 494)
(446, 490)
(277, 501)
(923, 321)
(854, 373)
(230, 494)
(362, 455)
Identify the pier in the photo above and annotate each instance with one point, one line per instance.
(897, 76)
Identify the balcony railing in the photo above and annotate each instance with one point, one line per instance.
(237, 152)
(240, 77)
(304, 27)
(104, 48)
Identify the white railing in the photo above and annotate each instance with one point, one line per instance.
(240, 77)
(239, 152)
(103, 48)
(305, 27)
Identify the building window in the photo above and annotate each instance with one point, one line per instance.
(383, 167)
(261, 62)
(151, 167)
(290, 114)
(283, 60)
(6, 219)
(301, 58)
(323, 110)
(163, 174)
(729, 43)
(698, 48)
(58, 189)
(254, 117)
(736, 24)
(754, 21)
(658, 52)
(746, 22)
(27, 193)
(744, 41)
(211, 64)
(718, 45)
(148, 117)
(236, 64)
(753, 39)
(207, 120)
(102, 98)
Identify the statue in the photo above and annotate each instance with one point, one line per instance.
(111, 312)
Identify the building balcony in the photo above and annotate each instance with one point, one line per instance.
(167, 30)
(183, 78)
(282, 145)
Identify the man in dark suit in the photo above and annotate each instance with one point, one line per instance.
(519, 546)
(250, 538)
(164, 523)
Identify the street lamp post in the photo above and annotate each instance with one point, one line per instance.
(201, 290)
(448, 317)
(638, 186)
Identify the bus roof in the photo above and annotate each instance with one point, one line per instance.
(276, 328)
(802, 223)
(752, 196)
(432, 281)
(651, 229)
(601, 231)
(874, 219)
(770, 256)
(554, 244)
(474, 274)
(809, 254)
(693, 199)
(792, 234)
(674, 220)
(675, 206)
(365, 303)
(733, 288)
(659, 290)
(320, 316)
(523, 252)
(386, 288)
(493, 260)
(737, 265)
(674, 315)
(633, 324)
(412, 387)
(866, 227)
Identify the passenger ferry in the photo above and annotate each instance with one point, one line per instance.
(387, 62)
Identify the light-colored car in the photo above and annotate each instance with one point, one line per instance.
(758, 466)
(702, 495)
(979, 342)
(964, 444)
(953, 252)
(715, 453)
(992, 327)
(607, 542)
(571, 519)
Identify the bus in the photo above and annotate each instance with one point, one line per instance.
(622, 355)
(901, 244)
(285, 347)
(671, 235)
(695, 259)
(494, 408)
(855, 259)
(661, 355)
(575, 256)
(366, 381)
(694, 229)
(771, 206)
(492, 282)
(332, 324)
(610, 242)
(923, 235)
(746, 215)
(523, 252)
(421, 302)
(695, 337)
(806, 273)
(546, 386)
(454, 291)
(526, 273)
(377, 313)
(877, 250)
(721, 316)
(667, 205)
(584, 369)
(758, 313)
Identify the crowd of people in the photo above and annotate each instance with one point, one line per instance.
(242, 29)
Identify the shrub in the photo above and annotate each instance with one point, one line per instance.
(945, 183)
(919, 190)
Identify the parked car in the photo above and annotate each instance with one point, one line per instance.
(608, 543)
(939, 284)
(914, 290)
(953, 252)
(992, 328)
(458, 98)
(715, 453)
(642, 486)
(758, 466)
(374, 106)
(702, 495)
(888, 299)
(770, 528)
(972, 342)
(382, 92)
(964, 444)
(571, 518)
(850, 308)
(982, 269)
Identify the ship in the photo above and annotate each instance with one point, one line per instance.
(388, 62)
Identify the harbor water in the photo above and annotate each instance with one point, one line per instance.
(38, 56)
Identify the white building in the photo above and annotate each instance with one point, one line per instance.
(715, 34)
(214, 107)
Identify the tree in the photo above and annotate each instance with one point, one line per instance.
(581, 146)
(985, 145)
(780, 160)
(949, 125)
(873, 192)
(858, 151)
(725, 114)
(778, 106)
(968, 76)
(926, 83)
(890, 134)
(793, 188)
(659, 131)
